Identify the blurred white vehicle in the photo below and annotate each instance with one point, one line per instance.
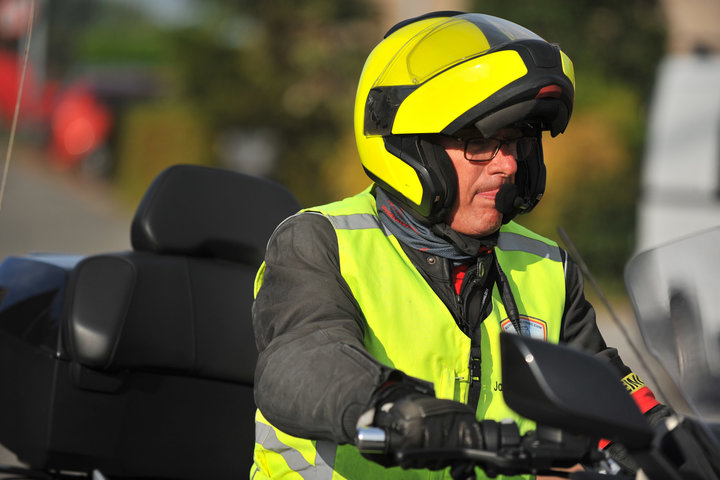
(680, 178)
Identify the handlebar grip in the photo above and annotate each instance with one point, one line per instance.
(371, 440)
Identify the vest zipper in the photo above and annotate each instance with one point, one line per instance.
(479, 279)
(469, 283)
(475, 277)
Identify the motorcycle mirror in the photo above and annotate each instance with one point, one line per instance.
(564, 388)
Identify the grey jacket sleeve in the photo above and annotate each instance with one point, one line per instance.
(314, 377)
(579, 325)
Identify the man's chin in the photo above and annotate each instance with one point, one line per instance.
(480, 227)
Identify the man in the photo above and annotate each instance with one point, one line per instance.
(385, 308)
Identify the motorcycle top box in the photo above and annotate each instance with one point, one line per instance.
(140, 363)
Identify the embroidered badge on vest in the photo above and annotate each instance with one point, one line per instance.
(529, 327)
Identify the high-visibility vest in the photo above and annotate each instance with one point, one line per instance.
(409, 328)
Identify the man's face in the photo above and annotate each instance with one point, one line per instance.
(474, 211)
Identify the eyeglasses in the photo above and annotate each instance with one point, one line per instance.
(480, 149)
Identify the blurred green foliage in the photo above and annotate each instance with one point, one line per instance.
(156, 136)
(65, 23)
(288, 66)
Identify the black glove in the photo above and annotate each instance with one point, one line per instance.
(620, 454)
(658, 414)
(414, 419)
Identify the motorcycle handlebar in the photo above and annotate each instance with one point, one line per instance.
(537, 452)
(682, 446)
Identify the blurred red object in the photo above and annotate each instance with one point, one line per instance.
(75, 120)
(79, 125)
(31, 106)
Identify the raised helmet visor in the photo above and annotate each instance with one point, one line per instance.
(468, 51)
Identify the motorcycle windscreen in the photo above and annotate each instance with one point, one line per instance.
(674, 292)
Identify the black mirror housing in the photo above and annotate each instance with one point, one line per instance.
(561, 387)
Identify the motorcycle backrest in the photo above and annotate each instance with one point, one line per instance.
(207, 212)
(180, 301)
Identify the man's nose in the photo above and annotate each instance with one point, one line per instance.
(505, 162)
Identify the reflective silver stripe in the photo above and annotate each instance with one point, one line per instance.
(324, 456)
(357, 221)
(266, 436)
(262, 431)
(514, 242)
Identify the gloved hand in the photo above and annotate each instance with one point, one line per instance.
(620, 454)
(413, 418)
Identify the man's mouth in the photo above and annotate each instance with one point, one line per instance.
(490, 194)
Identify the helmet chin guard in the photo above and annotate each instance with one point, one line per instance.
(523, 195)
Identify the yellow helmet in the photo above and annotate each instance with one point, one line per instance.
(445, 71)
